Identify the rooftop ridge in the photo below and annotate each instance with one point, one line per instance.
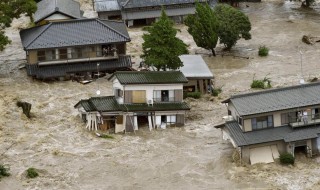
(275, 90)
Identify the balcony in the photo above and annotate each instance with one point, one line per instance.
(304, 120)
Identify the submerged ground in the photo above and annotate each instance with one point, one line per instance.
(193, 157)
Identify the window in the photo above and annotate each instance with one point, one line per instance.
(118, 93)
(76, 53)
(240, 121)
(262, 122)
(63, 53)
(50, 55)
(139, 96)
(41, 55)
(229, 112)
(163, 95)
(290, 117)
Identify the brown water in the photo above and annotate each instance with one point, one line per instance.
(194, 157)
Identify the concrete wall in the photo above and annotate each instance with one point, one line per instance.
(32, 57)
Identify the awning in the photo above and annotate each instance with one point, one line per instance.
(265, 154)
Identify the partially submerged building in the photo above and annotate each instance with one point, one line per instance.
(152, 98)
(145, 11)
(199, 76)
(60, 49)
(56, 10)
(263, 124)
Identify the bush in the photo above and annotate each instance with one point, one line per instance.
(263, 51)
(286, 159)
(195, 95)
(265, 83)
(216, 91)
(4, 171)
(32, 173)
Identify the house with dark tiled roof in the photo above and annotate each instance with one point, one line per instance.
(145, 11)
(263, 124)
(61, 49)
(152, 99)
(56, 10)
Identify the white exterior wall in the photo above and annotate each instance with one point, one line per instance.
(149, 88)
(57, 16)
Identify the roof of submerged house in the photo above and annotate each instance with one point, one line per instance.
(195, 67)
(276, 99)
(106, 5)
(285, 133)
(149, 77)
(46, 8)
(74, 33)
(110, 104)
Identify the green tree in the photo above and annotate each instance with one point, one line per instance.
(203, 26)
(10, 9)
(233, 25)
(161, 47)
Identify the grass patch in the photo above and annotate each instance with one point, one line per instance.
(105, 136)
(4, 171)
(263, 51)
(32, 173)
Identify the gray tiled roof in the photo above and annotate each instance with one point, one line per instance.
(276, 99)
(48, 7)
(106, 5)
(60, 70)
(149, 77)
(74, 33)
(285, 133)
(109, 104)
(195, 67)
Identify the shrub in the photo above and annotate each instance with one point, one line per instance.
(195, 95)
(105, 136)
(4, 171)
(32, 173)
(286, 159)
(265, 83)
(216, 91)
(263, 51)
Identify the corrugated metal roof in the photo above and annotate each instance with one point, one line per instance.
(276, 99)
(195, 67)
(106, 5)
(149, 77)
(48, 7)
(109, 104)
(74, 33)
(60, 70)
(285, 133)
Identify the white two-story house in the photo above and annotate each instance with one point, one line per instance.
(262, 125)
(153, 99)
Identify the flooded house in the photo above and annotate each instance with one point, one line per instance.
(196, 70)
(56, 10)
(78, 46)
(152, 99)
(261, 125)
(136, 12)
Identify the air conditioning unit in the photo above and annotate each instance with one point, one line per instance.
(150, 102)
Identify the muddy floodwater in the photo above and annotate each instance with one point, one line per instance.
(68, 156)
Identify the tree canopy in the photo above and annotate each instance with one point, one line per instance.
(233, 25)
(161, 47)
(224, 23)
(203, 27)
(10, 9)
